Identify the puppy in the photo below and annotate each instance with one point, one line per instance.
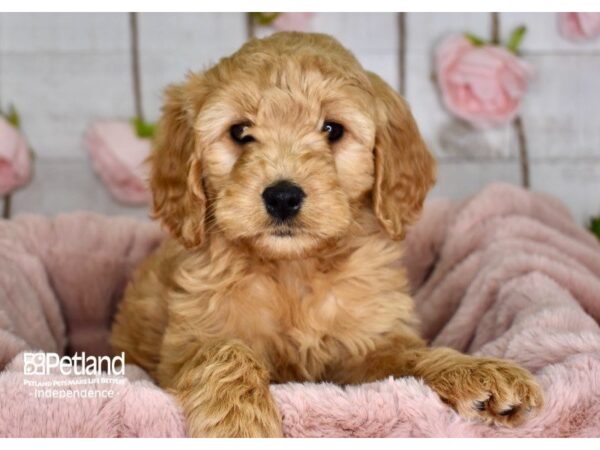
(287, 176)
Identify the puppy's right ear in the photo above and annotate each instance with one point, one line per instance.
(175, 174)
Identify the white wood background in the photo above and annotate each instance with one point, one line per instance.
(64, 71)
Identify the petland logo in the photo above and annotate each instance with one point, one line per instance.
(78, 364)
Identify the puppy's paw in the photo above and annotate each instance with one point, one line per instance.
(492, 390)
(224, 392)
(236, 418)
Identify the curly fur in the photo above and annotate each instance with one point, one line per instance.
(230, 304)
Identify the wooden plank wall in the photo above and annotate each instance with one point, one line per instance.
(65, 70)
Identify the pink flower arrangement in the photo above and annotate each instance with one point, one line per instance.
(15, 157)
(118, 156)
(579, 26)
(293, 21)
(481, 83)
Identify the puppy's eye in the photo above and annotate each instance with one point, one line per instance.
(237, 133)
(334, 131)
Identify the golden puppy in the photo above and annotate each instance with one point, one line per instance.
(287, 176)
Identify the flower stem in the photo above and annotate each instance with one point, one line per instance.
(523, 153)
(402, 52)
(135, 66)
(495, 28)
(7, 206)
(518, 122)
(250, 26)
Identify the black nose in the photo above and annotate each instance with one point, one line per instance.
(283, 200)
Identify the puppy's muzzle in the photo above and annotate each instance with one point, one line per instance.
(283, 200)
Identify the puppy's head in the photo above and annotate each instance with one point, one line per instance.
(280, 145)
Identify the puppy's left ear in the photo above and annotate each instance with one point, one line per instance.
(175, 176)
(404, 168)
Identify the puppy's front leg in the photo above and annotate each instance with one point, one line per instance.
(489, 389)
(223, 390)
(492, 390)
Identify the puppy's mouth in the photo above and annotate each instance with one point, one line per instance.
(286, 242)
(284, 231)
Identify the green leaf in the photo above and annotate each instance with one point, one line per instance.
(594, 226)
(475, 40)
(143, 129)
(13, 117)
(264, 18)
(515, 39)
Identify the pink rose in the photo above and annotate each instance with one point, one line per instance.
(483, 85)
(292, 21)
(579, 26)
(15, 158)
(118, 156)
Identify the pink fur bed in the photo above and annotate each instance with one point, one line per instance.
(506, 273)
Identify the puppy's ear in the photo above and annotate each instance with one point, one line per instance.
(175, 175)
(404, 168)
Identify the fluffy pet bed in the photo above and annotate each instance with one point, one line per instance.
(507, 274)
